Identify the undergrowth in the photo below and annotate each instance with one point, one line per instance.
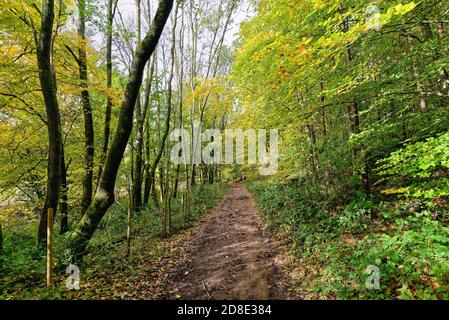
(107, 271)
(407, 241)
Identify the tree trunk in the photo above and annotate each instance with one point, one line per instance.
(87, 111)
(147, 187)
(169, 101)
(64, 198)
(112, 4)
(137, 182)
(104, 196)
(181, 97)
(145, 129)
(129, 222)
(48, 87)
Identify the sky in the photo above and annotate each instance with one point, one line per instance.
(127, 8)
(128, 11)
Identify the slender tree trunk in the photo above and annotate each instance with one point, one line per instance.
(87, 111)
(137, 182)
(169, 96)
(366, 173)
(138, 165)
(153, 189)
(104, 197)
(152, 173)
(108, 112)
(146, 131)
(145, 143)
(216, 53)
(181, 96)
(64, 197)
(48, 86)
(147, 187)
(130, 202)
(193, 74)
(129, 222)
(163, 137)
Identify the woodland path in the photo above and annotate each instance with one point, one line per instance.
(229, 256)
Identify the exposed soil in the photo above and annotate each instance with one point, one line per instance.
(228, 256)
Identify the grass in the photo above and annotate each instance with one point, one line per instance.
(107, 272)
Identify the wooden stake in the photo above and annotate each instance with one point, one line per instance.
(49, 248)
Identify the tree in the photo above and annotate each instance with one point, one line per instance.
(168, 195)
(104, 196)
(64, 206)
(49, 90)
(111, 10)
(180, 75)
(87, 110)
(137, 181)
(89, 137)
(149, 181)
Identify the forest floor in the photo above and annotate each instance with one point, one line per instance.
(229, 255)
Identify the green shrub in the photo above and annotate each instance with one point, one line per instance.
(419, 170)
(335, 246)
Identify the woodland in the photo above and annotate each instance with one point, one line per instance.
(90, 92)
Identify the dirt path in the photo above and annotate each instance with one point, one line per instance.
(229, 256)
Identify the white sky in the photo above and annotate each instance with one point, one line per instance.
(127, 8)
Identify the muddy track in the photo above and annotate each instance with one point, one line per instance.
(229, 256)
